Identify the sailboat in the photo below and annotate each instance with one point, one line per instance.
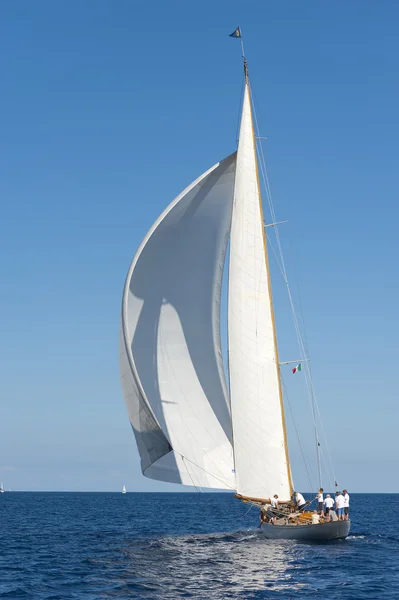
(124, 490)
(191, 427)
(1, 488)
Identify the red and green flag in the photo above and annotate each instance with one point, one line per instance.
(297, 368)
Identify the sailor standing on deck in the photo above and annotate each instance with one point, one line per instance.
(339, 502)
(320, 501)
(274, 507)
(346, 504)
(329, 504)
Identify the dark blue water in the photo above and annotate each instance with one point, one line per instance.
(170, 546)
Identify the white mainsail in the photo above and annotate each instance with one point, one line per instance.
(171, 358)
(260, 454)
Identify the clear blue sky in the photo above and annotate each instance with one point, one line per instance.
(108, 110)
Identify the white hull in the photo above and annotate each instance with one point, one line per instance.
(334, 530)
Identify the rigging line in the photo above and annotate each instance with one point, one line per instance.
(298, 291)
(225, 483)
(328, 453)
(327, 469)
(323, 433)
(304, 353)
(246, 512)
(329, 465)
(276, 258)
(305, 343)
(192, 480)
(297, 434)
(273, 215)
(268, 190)
(331, 475)
(296, 324)
(239, 110)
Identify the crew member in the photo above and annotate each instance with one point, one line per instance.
(329, 504)
(315, 518)
(320, 501)
(339, 501)
(346, 504)
(299, 501)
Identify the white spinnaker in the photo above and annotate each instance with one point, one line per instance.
(171, 358)
(258, 430)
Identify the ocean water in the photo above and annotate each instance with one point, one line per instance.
(104, 545)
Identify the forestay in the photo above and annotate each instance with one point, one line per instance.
(261, 461)
(171, 358)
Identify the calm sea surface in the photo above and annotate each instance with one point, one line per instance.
(66, 545)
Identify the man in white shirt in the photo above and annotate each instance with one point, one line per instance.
(346, 504)
(320, 501)
(274, 506)
(299, 500)
(329, 506)
(339, 501)
(274, 501)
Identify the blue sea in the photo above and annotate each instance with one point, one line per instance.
(170, 546)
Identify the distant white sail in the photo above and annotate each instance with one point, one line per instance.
(171, 358)
(124, 490)
(261, 464)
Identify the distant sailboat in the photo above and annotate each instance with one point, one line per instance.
(189, 428)
(124, 490)
(1, 488)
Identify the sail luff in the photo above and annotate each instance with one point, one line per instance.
(259, 441)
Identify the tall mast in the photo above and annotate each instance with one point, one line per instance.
(259, 433)
(269, 283)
